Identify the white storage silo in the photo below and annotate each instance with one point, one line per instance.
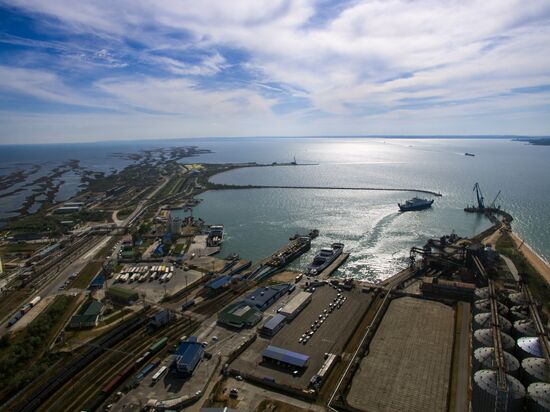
(485, 392)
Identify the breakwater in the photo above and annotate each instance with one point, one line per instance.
(217, 186)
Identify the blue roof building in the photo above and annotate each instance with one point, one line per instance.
(263, 298)
(187, 357)
(98, 281)
(273, 325)
(285, 357)
(216, 285)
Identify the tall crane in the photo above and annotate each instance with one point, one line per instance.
(480, 202)
(492, 205)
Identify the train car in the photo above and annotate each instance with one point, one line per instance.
(159, 374)
(158, 345)
(118, 379)
(34, 301)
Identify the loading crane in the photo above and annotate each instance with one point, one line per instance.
(480, 200)
(492, 205)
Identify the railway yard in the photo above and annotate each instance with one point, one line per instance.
(158, 320)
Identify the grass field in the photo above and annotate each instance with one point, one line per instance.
(85, 276)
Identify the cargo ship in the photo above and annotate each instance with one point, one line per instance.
(282, 258)
(215, 235)
(415, 204)
(469, 154)
(324, 258)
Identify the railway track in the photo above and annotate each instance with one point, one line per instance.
(89, 383)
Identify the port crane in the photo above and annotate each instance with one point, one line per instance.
(480, 200)
(492, 205)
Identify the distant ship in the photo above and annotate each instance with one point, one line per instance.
(415, 204)
(324, 258)
(469, 154)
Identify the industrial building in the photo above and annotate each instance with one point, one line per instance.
(285, 358)
(217, 285)
(159, 319)
(295, 305)
(67, 209)
(121, 296)
(187, 357)
(239, 315)
(88, 315)
(273, 325)
(263, 298)
(174, 224)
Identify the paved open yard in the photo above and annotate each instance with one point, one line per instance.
(330, 337)
(409, 361)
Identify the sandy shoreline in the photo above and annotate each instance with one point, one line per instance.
(540, 265)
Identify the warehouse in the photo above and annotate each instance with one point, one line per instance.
(218, 285)
(263, 298)
(88, 315)
(187, 357)
(286, 358)
(295, 306)
(121, 296)
(239, 315)
(273, 325)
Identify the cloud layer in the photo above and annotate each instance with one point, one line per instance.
(125, 69)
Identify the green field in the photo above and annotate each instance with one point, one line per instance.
(85, 276)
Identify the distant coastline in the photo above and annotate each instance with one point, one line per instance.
(537, 141)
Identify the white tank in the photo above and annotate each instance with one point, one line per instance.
(484, 338)
(484, 358)
(519, 312)
(534, 370)
(481, 293)
(484, 305)
(539, 397)
(485, 392)
(483, 321)
(517, 298)
(529, 346)
(524, 328)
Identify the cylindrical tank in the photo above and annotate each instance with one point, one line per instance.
(534, 370)
(483, 321)
(484, 358)
(484, 305)
(518, 313)
(517, 298)
(539, 397)
(524, 328)
(529, 346)
(484, 338)
(481, 293)
(485, 392)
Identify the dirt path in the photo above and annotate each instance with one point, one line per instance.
(536, 261)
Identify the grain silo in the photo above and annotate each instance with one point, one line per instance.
(539, 397)
(524, 328)
(484, 358)
(529, 346)
(485, 392)
(484, 338)
(534, 370)
(484, 305)
(484, 320)
(481, 293)
(519, 312)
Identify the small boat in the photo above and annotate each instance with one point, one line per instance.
(469, 154)
(415, 204)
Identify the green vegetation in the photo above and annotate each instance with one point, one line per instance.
(124, 213)
(86, 275)
(18, 353)
(538, 285)
(37, 223)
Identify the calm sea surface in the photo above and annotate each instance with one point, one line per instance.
(257, 221)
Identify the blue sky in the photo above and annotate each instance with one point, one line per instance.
(104, 70)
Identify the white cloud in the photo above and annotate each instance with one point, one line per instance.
(376, 56)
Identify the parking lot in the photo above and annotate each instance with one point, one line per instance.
(154, 290)
(329, 337)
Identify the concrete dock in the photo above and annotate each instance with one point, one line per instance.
(325, 274)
